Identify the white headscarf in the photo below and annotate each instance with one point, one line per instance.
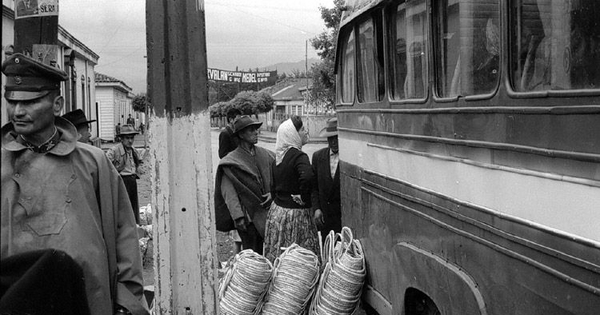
(287, 137)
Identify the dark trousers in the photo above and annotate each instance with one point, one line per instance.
(251, 239)
(131, 186)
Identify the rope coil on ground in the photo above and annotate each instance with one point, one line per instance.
(341, 283)
(243, 287)
(295, 277)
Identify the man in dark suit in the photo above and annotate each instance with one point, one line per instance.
(326, 189)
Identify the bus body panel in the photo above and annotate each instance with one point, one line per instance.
(481, 196)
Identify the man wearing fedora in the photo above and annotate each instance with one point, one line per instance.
(60, 195)
(326, 190)
(242, 186)
(126, 160)
(78, 119)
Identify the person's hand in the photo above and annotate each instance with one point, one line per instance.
(318, 218)
(298, 199)
(267, 201)
(240, 224)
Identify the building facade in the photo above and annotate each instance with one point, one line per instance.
(114, 99)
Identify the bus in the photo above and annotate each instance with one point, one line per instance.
(469, 134)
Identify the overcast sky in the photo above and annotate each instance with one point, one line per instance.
(243, 33)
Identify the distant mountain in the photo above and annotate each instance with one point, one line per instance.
(289, 67)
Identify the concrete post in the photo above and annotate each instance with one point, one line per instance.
(182, 180)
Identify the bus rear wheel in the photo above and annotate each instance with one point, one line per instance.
(419, 303)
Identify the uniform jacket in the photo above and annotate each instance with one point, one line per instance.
(326, 192)
(72, 199)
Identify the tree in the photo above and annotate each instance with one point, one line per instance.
(297, 73)
(322, 73)
(219, 109)
(248, 102)
(140, 102)
(252, 103)
(264, 102)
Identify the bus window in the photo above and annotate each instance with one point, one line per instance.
(368, 67)
(407, 29)
(347, 69)
(467, 49)
(555, 45)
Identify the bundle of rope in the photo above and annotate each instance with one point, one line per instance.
(243, 287)
(341, 283)
(295, 276)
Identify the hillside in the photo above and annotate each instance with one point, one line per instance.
(288, 67)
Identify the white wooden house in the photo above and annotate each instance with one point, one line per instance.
(114, 98)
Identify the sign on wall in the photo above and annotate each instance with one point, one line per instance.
(32, 8)
(242, 76)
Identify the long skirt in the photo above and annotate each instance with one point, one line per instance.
(286, 226)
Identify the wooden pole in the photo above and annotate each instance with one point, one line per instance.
(182, 180)
(36, 32)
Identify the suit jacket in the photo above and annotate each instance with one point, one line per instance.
(326, 192)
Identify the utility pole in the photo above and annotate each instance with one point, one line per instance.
(36, 32)
(306, 63)
(182, 180)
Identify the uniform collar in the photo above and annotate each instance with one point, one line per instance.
(65, 144)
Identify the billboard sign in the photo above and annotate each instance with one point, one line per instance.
(242, 76)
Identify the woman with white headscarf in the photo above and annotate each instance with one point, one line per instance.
(290, 216)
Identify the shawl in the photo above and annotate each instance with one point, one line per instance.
(251, 177)
(287, 137)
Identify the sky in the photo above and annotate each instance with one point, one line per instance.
(239, 33)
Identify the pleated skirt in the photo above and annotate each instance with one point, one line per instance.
(286, 226)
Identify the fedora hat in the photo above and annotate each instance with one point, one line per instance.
(127, 130)
(77, 117)
(243, 122)
(330, 129)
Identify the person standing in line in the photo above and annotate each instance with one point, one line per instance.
(78, 119)
(242, 184)
(131, 121)
(290, 218)
(326, 189)
(117, 132)
(227, 143)
(61, 196)
(126, 160)
(227, 140)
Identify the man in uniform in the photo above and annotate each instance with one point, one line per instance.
(60, 194)
(78, 119)
(326, 190)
